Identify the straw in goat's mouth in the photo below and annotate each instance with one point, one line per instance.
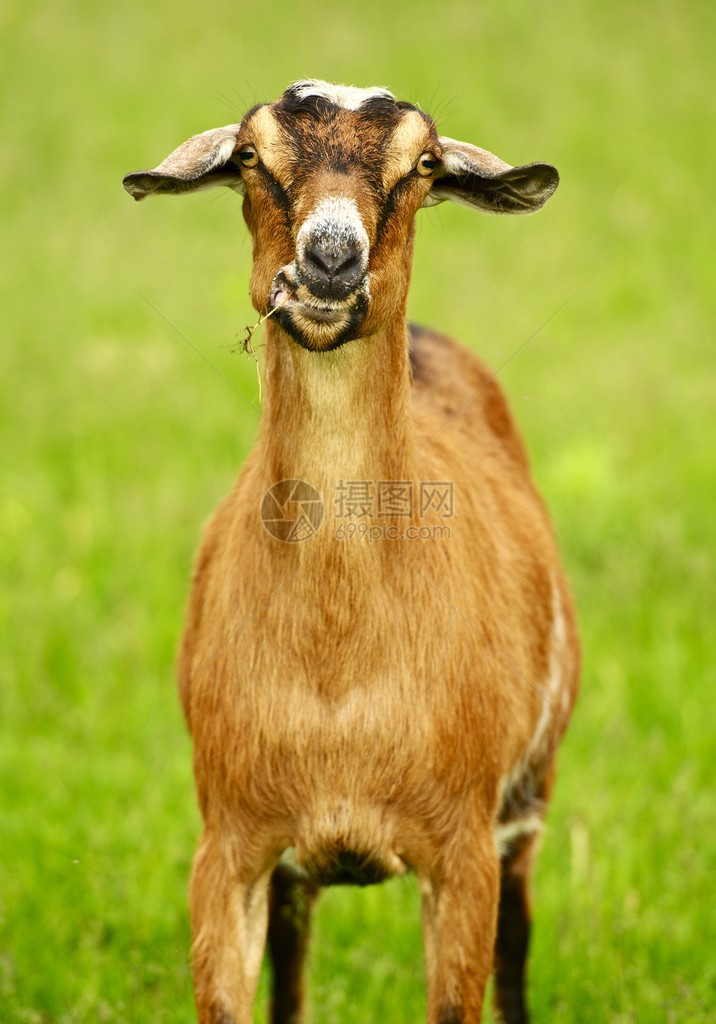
(282, 298)
(246, 345)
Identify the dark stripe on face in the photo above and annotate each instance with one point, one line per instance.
(278, 194)
(391, 200)
(380, 113)
(350, 331)
(308, 127)
(313, 106)
(323, 142)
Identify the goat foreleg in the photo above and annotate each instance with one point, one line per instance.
(229, 913)
(459, 925)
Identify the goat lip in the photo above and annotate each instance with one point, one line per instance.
(282, 295)
(323, 314)
(283, 298)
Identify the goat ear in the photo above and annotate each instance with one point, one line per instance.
(473, 177)
(203, 161)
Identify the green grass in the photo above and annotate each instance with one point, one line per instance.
(118, 440)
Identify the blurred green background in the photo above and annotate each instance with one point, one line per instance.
(118, 440)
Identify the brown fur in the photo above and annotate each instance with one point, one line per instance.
(370, 704)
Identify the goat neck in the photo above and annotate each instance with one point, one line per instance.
(339, 415)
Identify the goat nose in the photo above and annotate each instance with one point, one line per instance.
(331, 269)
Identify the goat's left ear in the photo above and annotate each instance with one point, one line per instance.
(201, 162)
(473, 177)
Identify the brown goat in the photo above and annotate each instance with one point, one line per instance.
(387, 695)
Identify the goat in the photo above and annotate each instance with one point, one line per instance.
(375, 696)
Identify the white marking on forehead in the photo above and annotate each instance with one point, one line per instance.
(346, 96)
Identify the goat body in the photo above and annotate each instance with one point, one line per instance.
(367, 703)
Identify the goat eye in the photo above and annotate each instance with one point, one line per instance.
(248, 156)
(427, 164)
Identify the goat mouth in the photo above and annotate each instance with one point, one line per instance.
(295, 298)
(316, 324)
(322, 314)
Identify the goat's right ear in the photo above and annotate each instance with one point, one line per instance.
(203, 161)
(473, 177)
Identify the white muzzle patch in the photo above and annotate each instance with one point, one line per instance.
(337, 222)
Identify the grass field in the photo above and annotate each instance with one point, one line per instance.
(118, 440)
